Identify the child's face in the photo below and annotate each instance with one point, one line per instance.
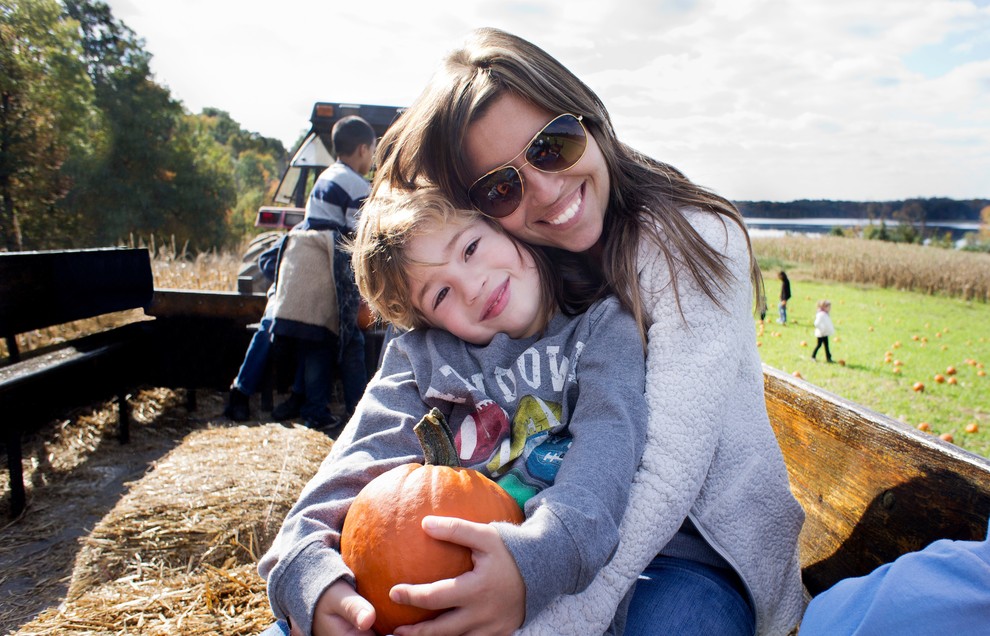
(474, 282)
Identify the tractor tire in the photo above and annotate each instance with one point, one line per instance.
(250, 278)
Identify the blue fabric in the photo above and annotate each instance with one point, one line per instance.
(281, 628)
(687, 598)
(943, 589)
(337, 196)
(268, 260)
(317, 361)
(320, 363)
(253, 367)
(353, 370)
(333, 195)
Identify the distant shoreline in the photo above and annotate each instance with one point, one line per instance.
(851, 222)
(762, 226)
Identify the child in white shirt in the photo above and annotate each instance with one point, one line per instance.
(823, 329)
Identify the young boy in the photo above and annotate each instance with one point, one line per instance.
(551, 406)
(305, 264)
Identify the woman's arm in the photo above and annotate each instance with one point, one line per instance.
(692, 368)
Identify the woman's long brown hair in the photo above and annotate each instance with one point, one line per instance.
(647, 198)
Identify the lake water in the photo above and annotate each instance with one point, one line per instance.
(778, 227)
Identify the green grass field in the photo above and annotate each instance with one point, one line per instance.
(925, 334)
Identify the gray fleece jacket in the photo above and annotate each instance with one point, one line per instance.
(559, 420)
(710, 451)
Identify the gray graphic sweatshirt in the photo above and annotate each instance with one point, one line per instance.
(559, 420)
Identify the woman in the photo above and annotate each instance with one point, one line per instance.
(711, 529)
(785, 295)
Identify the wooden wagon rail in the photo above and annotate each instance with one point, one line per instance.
(872, 487)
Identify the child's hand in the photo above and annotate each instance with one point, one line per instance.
(490, 599)
(342, 611)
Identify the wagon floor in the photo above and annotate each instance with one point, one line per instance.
(75, 472)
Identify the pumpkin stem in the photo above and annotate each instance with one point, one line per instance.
(436, 439)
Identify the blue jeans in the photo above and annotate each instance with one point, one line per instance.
(354, 371)
(782, 308)
(317, 364)
(687, 598)
(253, 367)
(281, 628)
(315, 373)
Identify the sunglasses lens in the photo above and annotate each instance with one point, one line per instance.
(498, 194)
(558, 146)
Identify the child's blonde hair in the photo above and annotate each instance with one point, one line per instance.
(388, 221)
(824, 304)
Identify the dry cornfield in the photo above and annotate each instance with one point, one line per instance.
(929, 270)
(208, 271)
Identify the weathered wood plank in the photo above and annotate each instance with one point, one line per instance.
(187, 303)
(873, 488)
(42, 289)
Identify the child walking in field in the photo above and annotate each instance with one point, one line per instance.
(823, 329)
(489, 345)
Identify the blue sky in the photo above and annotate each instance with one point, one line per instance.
(963, 46)
(755, 99)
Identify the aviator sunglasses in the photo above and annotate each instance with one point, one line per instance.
(556, 148)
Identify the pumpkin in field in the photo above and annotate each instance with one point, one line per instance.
(383, 541)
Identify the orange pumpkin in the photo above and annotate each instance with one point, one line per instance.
(365, 317)
(383, 540)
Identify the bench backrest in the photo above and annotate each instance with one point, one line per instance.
(42, 289)
(872, 488)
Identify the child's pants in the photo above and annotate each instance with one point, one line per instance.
(822, 341)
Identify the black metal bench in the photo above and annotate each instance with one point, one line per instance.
(44, 289)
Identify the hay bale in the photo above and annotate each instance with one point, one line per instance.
(217, 499)
(207, 603)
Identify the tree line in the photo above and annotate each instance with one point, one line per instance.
(94, 152)
(914, 211)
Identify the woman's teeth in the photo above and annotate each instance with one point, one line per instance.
(567, 214)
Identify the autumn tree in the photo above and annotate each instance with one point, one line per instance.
(258, 164)
(159, 173)
(95, 151)
(47, 119)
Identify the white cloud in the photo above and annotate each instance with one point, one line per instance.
(758, 99)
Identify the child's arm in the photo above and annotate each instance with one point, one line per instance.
(304, 559)
(572, 527)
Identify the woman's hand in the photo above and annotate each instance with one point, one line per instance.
(341, 611)
(489, 600)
